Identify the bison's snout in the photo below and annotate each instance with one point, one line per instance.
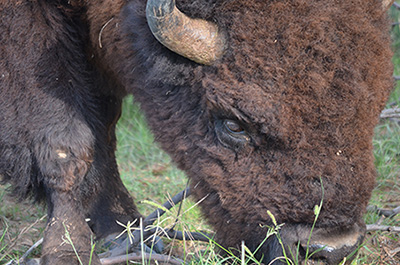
(324, 246)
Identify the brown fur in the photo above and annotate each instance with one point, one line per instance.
(57, 123)
(306, 79)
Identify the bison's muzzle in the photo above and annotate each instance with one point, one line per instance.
(317, 246)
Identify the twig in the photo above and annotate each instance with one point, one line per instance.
(23, 231)
(101, 31)
(149, 220)
(198, 236)
(384, 228)
(22, 260)
(123, 258)
(384, 212)
(139, 257)
(390, 113)
(29, 251)
(180, 235)
(393, 252)
(119, 254)
(180, 206)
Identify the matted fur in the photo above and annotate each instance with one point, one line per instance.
(306, 79)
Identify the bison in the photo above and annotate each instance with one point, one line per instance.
(268, 106)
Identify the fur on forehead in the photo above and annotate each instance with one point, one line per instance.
(298, 57)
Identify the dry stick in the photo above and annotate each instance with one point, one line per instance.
(38, 243)
(101, 32)
(202, 236)
(180, 207)
(390, 113)
(396, 78)
(23, 258)
(387, 228)
(384, 212)
(149, 220)
(117, 254)
(180, 235)
(138, 257)
(198, 236)
(24, 230)
(394, 112)
(394, 251)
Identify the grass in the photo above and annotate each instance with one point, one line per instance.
(150, 176)
(21, 225)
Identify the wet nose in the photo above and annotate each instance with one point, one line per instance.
(328, 246)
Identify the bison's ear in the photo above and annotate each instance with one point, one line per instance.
(386, 4)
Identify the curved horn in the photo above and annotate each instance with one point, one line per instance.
(386, 4)
(195, 39)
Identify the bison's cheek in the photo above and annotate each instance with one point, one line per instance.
(248, 187)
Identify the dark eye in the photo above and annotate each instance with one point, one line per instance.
(231, 134)
(233, 126)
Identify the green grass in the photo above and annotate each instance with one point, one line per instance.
(145, 169)
(21, 225)
(378, 247)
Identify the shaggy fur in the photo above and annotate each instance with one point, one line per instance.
(57, 125)
(305, 79)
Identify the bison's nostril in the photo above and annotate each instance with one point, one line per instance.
(320, 248)
(320, 254)
(316, 262)
(325, 254)
(307, 253)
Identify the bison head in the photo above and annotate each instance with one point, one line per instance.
(272, 111)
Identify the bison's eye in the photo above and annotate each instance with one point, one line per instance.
(231, 134)
(233, 126)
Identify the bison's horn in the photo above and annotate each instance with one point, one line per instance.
(386, 4)
(196, 39)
